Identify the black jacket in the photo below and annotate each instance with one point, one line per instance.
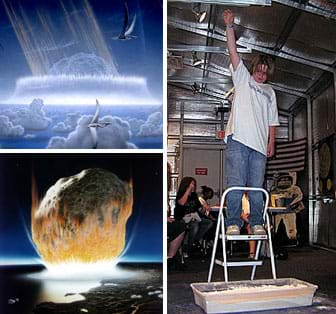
(192, 205)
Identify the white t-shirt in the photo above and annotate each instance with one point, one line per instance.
(253, 111)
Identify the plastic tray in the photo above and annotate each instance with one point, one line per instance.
(245, 296)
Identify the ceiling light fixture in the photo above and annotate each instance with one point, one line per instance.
(196, 88)
(195, 60)
(200, 15)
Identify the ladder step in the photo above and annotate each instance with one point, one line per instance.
(241, 263)
(245, 237)
(221, 234)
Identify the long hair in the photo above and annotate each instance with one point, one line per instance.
(169, 170)
(185, 182)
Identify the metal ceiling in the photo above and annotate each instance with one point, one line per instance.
(300, 35)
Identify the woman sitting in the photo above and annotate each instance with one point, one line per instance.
(186, 209)
(175, 233)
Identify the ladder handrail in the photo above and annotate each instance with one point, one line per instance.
(244, 188)
(221, 225)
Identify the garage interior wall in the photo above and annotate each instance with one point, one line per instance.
(323, 110)
(300, 37)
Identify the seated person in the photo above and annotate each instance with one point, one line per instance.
(205, 211)
(175, 235)
(186, 209)
(207, 194)
(175, 232)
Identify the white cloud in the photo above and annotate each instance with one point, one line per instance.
(57, 142)
(115, 135)
(62, 128)
(72, 119)
(33, 118)
(9, 113)
(7, 128)
(153, 125)
(135, 124)
(68, 125)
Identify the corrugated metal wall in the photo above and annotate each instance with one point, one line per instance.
(299, 130)
(324, 127)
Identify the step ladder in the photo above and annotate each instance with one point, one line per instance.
(220, 234)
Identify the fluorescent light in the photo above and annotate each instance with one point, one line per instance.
(200, 15)
(196, 88)
(195, 60)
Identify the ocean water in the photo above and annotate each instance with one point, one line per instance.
(58, 114)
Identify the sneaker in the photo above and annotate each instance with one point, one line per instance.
(185, 255)
(233, 230)
(258, 230)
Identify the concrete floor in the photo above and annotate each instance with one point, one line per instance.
(314, 265)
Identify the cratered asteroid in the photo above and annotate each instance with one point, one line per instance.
(83, 218)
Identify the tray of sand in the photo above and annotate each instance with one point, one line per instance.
(245, 296)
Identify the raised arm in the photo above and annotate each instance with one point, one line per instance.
(231, 39)
(184, 198)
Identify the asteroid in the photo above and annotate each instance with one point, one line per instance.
(82, 218)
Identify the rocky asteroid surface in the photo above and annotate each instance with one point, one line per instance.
(82, 218)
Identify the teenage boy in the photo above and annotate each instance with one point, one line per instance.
(250, 133)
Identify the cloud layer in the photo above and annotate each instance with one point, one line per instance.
(8, 129)
(152, 127)
(33, 118)
(115, 135)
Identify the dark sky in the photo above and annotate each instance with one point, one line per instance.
(141, 56)
(144, 227)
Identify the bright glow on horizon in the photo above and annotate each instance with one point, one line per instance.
(68, 291)
(76, 278)
(68, 283)
(78, 271)
(82, 90)
(30, 261)
(121, 79)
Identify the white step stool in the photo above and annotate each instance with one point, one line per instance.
(224, 237)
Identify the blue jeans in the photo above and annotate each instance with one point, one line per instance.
(244, 167)
(197, 231)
